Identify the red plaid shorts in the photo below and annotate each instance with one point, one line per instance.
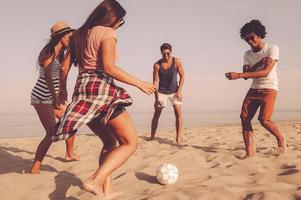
(95, 95)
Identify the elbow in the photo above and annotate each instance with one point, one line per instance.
(108, 69)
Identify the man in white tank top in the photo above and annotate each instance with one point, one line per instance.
(260, 64)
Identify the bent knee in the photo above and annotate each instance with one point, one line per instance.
(134, 143)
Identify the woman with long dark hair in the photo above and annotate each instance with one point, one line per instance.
(44, 93)
(97, 101)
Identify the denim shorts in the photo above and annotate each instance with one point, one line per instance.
(35, 100)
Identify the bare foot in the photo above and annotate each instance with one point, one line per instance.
(247, 156)
(181, 141)
(151, 138)
(35, 169)
(282, 146)
(111, 193)
(73, 157)
(90, 186)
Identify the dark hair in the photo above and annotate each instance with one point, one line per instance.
(105, 14)
(253, 26)
(165, 46)
(48, 49)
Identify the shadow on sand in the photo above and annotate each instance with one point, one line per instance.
(163, 141)
(13, 163)
(64, 180)
(146, 177)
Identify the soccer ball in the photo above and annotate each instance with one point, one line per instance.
(167, 174)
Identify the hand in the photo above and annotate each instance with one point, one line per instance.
(62, 96)
(266, 61)
(232, 75)
(179, 95)
(147, 88)
(156, 104)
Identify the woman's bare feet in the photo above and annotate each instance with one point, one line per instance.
(72, 157)
(90, 186)
(151, 138)
(35, 169)
(109, 191)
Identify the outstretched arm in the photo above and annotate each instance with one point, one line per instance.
(108, 48)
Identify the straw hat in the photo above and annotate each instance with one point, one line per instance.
(59, 28)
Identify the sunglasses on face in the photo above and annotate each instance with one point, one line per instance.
(121, 22)
(251, 37)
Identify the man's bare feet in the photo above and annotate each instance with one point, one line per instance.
(72, 157)
(181, 141)
(90, 186)
(246, 156)
(282, 146)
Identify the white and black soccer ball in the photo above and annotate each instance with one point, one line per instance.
(167, 174)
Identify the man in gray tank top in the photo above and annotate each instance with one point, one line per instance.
(165, 75)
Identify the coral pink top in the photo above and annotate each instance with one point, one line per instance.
(92, 58)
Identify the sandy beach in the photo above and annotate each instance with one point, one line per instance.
(210, 167)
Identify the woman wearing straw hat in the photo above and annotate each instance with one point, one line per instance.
(44, 93)
(97, 101)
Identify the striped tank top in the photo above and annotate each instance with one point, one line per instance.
(40, 90)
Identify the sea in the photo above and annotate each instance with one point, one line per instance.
(17, 125)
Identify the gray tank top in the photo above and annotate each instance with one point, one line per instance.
(168, 82)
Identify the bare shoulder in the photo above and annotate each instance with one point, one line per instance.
(178, 62)
(157, 65)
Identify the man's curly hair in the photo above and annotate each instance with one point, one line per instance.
(253, 26)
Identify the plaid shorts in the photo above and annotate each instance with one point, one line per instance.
(95, 96)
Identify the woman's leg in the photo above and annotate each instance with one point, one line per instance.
(124, 131)
(109, 143)
(70, 155)
(46, 115)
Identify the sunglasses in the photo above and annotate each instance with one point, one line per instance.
(251, 37)
(121, 22)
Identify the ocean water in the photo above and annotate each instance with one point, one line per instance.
(28, 124)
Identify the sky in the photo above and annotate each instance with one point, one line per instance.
(204, 35)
